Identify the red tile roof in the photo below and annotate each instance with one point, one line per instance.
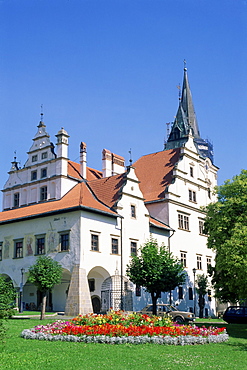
(108, 189)
(80, 196)
(156, 223)
(154, 172)
(74, 171)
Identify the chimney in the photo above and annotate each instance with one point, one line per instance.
(106, 163)
(117, 164)
(112, 164)
(83, 160)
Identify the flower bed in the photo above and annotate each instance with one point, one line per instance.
(117, 328)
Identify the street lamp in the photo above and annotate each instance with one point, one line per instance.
(21, 289)
(194, 273)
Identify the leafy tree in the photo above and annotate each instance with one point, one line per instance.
(202, 284)
(7, 301)
(156, 270)
(7, 298)
(45, 274)
(226, 226)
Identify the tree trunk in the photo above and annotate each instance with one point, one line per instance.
(43, 305)
(154, 301)
(201, 302)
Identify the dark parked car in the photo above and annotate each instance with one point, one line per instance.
(235, 315)
(167, 309)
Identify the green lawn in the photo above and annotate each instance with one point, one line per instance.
(17, 353)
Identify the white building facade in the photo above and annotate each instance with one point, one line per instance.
(91, 221)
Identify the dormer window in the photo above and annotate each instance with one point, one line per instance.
(34, 158)
(34, 175)
(44, 155)
(43, 172)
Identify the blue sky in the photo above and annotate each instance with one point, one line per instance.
(108, 70)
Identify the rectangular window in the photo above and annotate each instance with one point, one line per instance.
(192, 196)
(94, 242)
(44, 155)
(180, 292)
(114, 246)
(18, 248)
(34, 158)
(16, 199)
(190, 294)
(199, 262)
(43, 172)
(191, 172)
(183, 222)
(183, 256)
(1, 251)
(64, 242)
(133, 211)
(201, 227)
(34, 175)
(40, 245)
(133, 248)
(43, 193)
(209, 263)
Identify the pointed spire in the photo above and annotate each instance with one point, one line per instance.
(185, 123)
(188, 106)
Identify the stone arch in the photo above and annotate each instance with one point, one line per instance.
(56, 299)
(96, 276)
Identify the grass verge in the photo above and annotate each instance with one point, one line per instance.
(17, 353)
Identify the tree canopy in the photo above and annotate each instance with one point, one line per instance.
(45, 274)
(156, 270)
(226, 226)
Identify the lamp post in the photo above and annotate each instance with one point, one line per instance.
(21, 289)
(194, 273)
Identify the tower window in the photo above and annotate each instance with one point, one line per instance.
(34, 158)
(43, 172)
(191, 171)
(16, 199)
(34, 175)
(43, 193)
